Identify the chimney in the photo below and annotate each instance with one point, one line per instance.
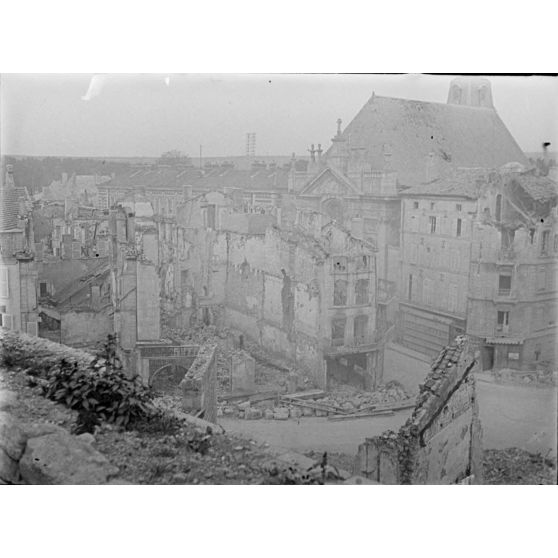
(319, 151)
(546, 163)
(131, 228)
(312, 154)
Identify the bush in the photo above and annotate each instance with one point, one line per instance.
(96, 387)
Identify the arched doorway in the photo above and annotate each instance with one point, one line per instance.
(167, 378)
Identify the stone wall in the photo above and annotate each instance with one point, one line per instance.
(441, 443)
(199, 385)
(85, 328)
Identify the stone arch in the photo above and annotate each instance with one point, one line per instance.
(167, 377)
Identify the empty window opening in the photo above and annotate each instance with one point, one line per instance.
(362, 263)
(504, 285)
(340, 292)
(361, 291)
(498, 212)
(532, 236)
(361, 329)
(340, 264)
(544, 242)
(338, 331)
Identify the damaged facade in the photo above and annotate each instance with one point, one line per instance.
(480, 257)
(18, 270)
(308, 300)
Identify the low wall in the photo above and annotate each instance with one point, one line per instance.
(199, 385)
(441, 443)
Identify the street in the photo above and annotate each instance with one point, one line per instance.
(512, 416)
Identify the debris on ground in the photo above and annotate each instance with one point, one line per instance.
(345, 402)
(518, 466)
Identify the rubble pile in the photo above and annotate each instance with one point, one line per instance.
(346, 402)
(517, 466)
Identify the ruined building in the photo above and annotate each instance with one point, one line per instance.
(312, 301)
(18, 273)
(479, 256)
(389, 146)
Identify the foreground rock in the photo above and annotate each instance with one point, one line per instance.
(60, 458)
(12, 445)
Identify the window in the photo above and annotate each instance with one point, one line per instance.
(503, 320)
(458, 230)
(532, 236)
(339, 292)
(4, 286)
(361, 329)
(432, 225)
(338, 331)
(43, 289)
(361, 291)
(504, 285)
(362, 263)
(431, 205)
(544, 242)
(458, 207)
(415, 205)
(340, 264)
(410, 291)
(498, 213)
(541, 278)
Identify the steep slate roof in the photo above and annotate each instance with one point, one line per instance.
(540, 188)
(9, 209)
(460, 136)
(96, 274)
(462, 183)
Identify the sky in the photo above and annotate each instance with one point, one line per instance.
(126, 115)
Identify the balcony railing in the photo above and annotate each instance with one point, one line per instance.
(504, 292)
(502, 331)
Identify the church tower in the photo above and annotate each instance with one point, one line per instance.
(470, 91)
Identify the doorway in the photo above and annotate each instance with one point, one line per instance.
(488, 357)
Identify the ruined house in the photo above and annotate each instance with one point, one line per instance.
(479, 256)
(75, 301)
(310, 301)
(18, 270)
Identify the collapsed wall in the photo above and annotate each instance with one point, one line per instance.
(199, 385)
(441, 443)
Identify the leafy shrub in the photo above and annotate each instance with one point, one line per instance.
(96, 387)
(102, 390)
